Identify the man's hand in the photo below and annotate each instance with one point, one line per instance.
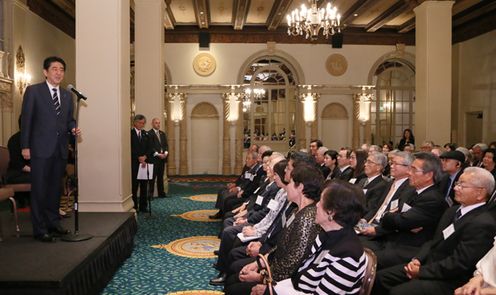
(253, 249)
(248, 231)
(250, 276)
(240, 221)
(258, 289)
(240, 194)
(26, 154)
(369, 231)
(412, 269)
(76, 131)
(26, 168)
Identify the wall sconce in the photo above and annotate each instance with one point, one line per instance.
(309, 101)
(232, 100)
(177, 104)
(364, 100)
(22, 78)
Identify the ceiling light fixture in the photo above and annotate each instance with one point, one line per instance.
(310, 21)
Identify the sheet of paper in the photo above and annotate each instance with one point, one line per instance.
(142, 175)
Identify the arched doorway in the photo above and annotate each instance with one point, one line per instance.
(204, 139)
(335, 126)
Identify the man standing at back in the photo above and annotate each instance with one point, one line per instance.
(159, 151)
(47, 122)
(139, 157)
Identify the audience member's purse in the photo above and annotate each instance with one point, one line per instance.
(264, 269)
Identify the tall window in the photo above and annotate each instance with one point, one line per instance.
(271, 116)
(394, 107)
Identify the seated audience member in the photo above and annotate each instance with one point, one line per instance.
(314, 146)
(345, 171)
(488, 161)
(319, 158)
(478, 151)
(484, 279)
(464, 235)
(296, 239)
(492, 145)
(19, 169)
(437, 150)
(229, 235)
(331, 161)
(449, 147)
(374, 184)
(427, 146)
(409, 148)
(452, 163)
(406, 139)
(374, 149)
(337, 262)
(467, 154)
(386, 148)
(233, 195)
(412, 220)
(357, 162)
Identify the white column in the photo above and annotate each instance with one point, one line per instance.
(103, 73)
(149, 59)
(433, 71)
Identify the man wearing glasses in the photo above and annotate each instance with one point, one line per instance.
(411, 222)
(464, 234)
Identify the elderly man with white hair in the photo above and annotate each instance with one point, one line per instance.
(319, 158)
(464, 235)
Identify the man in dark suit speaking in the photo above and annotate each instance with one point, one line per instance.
(46, 125)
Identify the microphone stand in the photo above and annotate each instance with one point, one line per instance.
(76, 236)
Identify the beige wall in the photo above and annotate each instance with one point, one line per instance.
(38, 39)
(474, 77)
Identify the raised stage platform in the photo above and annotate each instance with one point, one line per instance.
(28, 266)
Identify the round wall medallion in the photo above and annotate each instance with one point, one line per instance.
(336, 64)
(204, 64)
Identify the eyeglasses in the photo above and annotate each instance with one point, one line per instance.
(398, 164)
(463, 186)
(370, 162)
(416, 170)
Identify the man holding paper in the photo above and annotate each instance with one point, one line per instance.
(139, 156)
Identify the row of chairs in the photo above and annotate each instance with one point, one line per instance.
(7, 191)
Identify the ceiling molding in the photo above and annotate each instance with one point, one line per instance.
(240, 13)
(357, 8)
(252, 34)
(68, 6)
(478, 10)
(474, 28)
(392, 12)
(54, 15)
(278, 14)
(169, 20)
(407, 26)
(201, 13)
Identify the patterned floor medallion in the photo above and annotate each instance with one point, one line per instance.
(198, 215)
(193, 247)
(196, 292)
(203, 198)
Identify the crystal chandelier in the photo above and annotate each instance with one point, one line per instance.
(310, 21)
(255, 93)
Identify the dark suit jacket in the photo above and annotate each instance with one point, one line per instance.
(259, 212)
(425, 211)
(444, 185)
(139, 147)
(374, 191)
(249, 185)
(325, 170)
(404, 191)
(42, 131)
(346, 175)
(454, 258)
(156, 145)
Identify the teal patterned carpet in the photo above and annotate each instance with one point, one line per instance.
(152, 269)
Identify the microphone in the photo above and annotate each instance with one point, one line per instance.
(70, 87)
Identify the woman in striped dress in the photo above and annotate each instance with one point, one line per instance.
(337, 262)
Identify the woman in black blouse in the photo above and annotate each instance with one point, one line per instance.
(407, 138)
(337, 262)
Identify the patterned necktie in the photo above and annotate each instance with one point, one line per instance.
(458, 214)
(55, 100)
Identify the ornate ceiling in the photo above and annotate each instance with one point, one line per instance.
(240, 21)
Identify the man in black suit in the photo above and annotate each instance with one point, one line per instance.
(412, 221)
(464, 234)
(46, 125)
(159, 149)
(139, 156)
(345, 171)
(374, 184)
(452, 167)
